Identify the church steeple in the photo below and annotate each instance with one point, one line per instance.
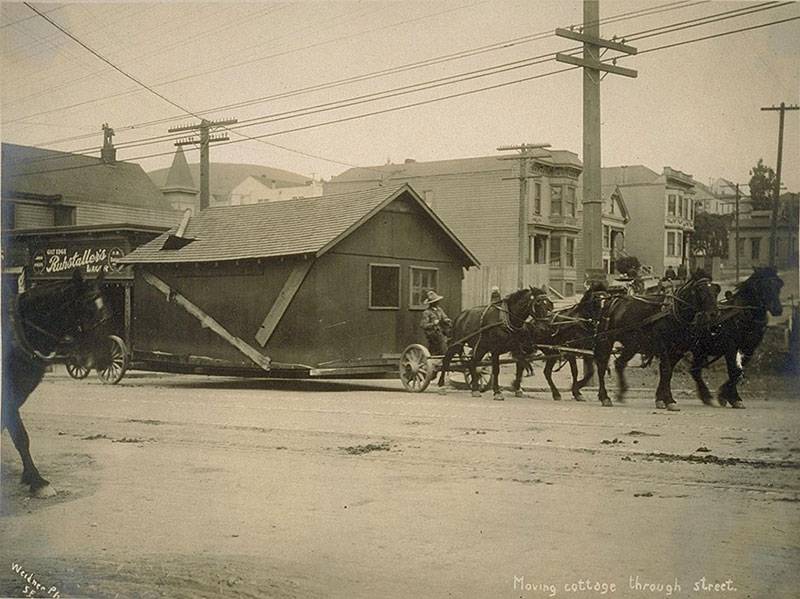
(180, 188)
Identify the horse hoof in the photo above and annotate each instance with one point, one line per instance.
(498, 397)
(556, 397)
(606, 403)
(660, 404)
(579, 397)
(722, 402)
(441, 391)
(519, 393)
(707, 400)
(673, 407)
(476, 394)
(44, 492)
(737, 404)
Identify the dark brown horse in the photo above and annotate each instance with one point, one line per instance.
(738, 330)
(495, 329)
(574, 328)
(49, 321)
(662, 325)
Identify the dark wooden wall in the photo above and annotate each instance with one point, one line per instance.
(329, 318)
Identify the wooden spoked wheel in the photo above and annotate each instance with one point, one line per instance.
(76, 369)
(416, 368)
(112, 361)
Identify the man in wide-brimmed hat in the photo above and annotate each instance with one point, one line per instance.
(435, 323)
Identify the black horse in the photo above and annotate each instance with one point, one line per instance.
(654, 325)
(494, 329)
(739, 329)
(48, 321)
(574, 328)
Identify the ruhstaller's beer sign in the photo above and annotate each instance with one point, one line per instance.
(90, 260)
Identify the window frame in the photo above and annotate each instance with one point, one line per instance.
(671, 204)
(537, 198)
(411, 269)
(559, 203)
(570, 200)
(398, 268)
(755, 248)
(555, 243)
(569, 252)
(672, 252)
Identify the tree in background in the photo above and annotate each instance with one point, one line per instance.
(624, 264)
(762, 186)
(710, 236)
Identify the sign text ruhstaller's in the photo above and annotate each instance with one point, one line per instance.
(55, 261)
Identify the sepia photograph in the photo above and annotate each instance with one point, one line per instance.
(358, 299)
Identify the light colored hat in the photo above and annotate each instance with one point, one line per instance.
(432, 298)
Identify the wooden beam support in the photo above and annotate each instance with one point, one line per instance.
(600, 66)
(207, 321)
(596, 41)
(285, 297)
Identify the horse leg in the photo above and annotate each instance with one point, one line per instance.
(697, 374)
(548, 375)
(602, 354)
(521, 366)
(498, 395)
(448, 357)
(664, 399)
(728, 392)
(573, 368)
(475, 360)
(588, 373)
(30, 474)
(619, 367)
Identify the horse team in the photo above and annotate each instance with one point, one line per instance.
(668, 325)
(67, 317)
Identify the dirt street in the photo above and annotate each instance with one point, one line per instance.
(204, 487)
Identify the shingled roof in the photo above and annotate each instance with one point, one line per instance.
(31, 170)
(272, 229)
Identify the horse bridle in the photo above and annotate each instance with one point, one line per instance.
(19, 325)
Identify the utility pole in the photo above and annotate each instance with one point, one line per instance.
(525, 157)
(736, 250)
(592, 193)
(206, 139)
(773, 237)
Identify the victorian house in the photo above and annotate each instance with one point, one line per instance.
(661, 208)
(479, 199)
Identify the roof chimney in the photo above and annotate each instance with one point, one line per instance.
(108, 153)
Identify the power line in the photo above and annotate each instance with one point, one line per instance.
(442, 98)
(428, 62)
(417, 87)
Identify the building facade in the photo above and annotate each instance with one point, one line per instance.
(661, 208)
(230, 184)
(45, 188)
(479, 199)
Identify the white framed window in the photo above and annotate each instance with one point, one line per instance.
(569, 252)
(538, 249)
(555, 200)
(537, 198)
(384, 286)
(555, 252)
(671, 243)
(569, 201)
(606, 236)
(422, 279)
(671, 204)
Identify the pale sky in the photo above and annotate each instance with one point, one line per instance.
(694, 107)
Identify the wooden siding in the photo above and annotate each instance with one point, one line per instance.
(328, 319)
(30, 216)
(91, 213)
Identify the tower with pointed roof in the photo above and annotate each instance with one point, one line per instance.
(180, 188)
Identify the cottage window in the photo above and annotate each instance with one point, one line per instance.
(384, 286)
(537, 198)
(569, 288)
(570, 200)
(555, 200)
(422, 279)
(555, 252)
(755, 248)
(671, 200)
(569, 255)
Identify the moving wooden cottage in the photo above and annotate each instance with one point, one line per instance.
(327, 286)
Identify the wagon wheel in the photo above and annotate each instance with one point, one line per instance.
(113, 364)
(416, 368)
(76, 369)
